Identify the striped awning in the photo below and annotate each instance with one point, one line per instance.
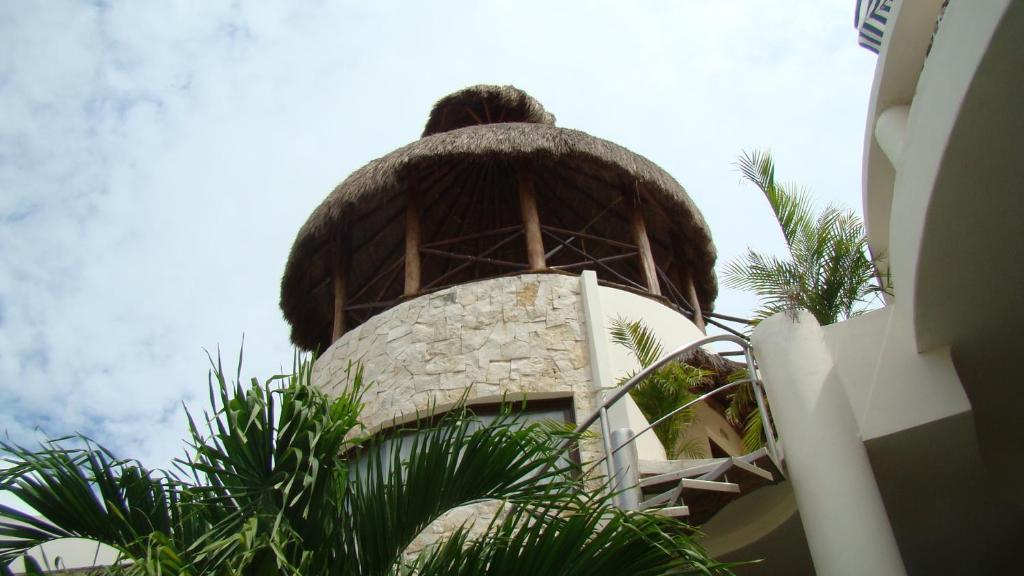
(870, 20)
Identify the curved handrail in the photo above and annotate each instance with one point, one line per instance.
(643, 374)
(601, 413)
(700, 398)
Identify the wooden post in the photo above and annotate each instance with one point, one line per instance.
(340, 282)
(683, 278)
(691, 294)
(412, 244)
(531, 222)
(643, 244)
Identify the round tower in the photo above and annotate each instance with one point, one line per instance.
(454, 267)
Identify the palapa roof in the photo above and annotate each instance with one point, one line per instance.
(485, 104)
(491, 129)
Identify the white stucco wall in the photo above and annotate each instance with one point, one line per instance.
(890, 386)
(673, 330)
(70, 553)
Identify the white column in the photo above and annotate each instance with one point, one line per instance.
(597, 349)
(891, 132)
(847, 528)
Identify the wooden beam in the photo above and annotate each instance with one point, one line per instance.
(698, 317)
(393, 267)
(340, 282)
(412, 243)
(643, 244)
(456, 240)
(465, 265)
(604, 184)
(471, 258)
(684, 279)
(588, 236)
(437, 179)
(674, 294)
(531, 222)
(472, 191)
(583, 230)
(590, 258)
(390, 280)
(595, 261)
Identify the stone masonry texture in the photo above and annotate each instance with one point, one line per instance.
(511, 337)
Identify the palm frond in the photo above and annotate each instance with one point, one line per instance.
(457, 462)
(81, 491)
(268, 465)
(828, 272)
(599, 540)
(792, 207)
(273, 484)
(638, 339)
(753, 431)
(664, 390)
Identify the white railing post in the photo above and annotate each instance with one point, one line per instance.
(762, 407)
(625, 465)
(606, 440)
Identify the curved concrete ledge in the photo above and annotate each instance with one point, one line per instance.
(748, 519)
(962, 215)
(918, 138)
(902, 55)
(959, 187)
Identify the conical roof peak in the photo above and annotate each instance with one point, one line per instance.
(485, 104)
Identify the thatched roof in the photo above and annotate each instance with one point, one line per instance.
(362, 204)
(484, 104)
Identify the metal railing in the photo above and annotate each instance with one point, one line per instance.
(618, 475)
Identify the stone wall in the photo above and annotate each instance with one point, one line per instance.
(482, 341)
(503, 336)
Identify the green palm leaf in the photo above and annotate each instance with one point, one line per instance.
(597, 540)
(280, 480)
(457, 462)
(828, 272)
(662, 391)
(638, 339)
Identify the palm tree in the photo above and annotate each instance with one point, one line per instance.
(664, 390)
(828, 273)
(281, 479)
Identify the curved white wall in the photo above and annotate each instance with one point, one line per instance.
(673, 330)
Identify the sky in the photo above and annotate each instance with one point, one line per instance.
(156, 162)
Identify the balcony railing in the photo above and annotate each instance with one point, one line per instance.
(629, 482)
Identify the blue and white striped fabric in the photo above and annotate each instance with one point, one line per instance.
(870, 20)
